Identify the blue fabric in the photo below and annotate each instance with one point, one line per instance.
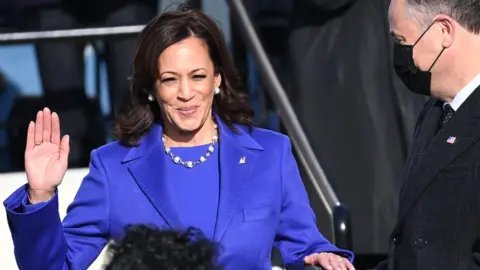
(197, 209)
(262, 203)
(26, 207)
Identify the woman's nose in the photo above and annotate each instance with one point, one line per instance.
(186, 91)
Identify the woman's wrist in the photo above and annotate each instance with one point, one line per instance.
(38, 196)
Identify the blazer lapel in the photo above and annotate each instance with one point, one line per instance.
(238, 155)
(147, 168)
(464, 129)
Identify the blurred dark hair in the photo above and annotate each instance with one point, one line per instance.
(148, 248)
(138, 113)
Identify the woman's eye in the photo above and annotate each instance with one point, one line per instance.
(199, 77)
(166, 80)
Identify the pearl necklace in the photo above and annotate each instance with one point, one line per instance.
(190, 164)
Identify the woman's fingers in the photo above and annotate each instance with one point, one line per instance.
(47, 125)
(334, 262)
(349, 265)
(30, 136)
(39, 128)
(329, 261)
(55, 128)
(65, 149)
(324, 262)
(46, 128)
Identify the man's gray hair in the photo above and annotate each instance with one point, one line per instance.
(465, 12)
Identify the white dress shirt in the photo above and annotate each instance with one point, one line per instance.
(465, 93)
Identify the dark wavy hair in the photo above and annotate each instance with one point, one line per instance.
(138, 114)
(148, 248)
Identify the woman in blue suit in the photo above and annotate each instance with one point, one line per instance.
(186, 155)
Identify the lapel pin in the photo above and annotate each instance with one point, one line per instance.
(451, 140)
(243, 160)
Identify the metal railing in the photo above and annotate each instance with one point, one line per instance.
(338, 212)
(85, 33)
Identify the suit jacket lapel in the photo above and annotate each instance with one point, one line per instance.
(147, 167)
(433, 157)
(238, 155)
(423, 136)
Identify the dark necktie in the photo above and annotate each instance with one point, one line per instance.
(446, 115)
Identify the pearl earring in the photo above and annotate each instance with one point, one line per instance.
(216, 91)
(150, 97)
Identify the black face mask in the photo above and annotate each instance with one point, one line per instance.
(418, 81)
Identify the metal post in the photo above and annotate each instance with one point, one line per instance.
(341, 227)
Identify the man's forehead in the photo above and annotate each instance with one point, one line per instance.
(395, 26)
(399, 22)
(396, 11)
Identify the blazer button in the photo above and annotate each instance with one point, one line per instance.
(396, 239)
(420, 243)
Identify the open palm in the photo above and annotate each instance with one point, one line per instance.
(46, 153)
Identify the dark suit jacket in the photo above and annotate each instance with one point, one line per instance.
(439, 217)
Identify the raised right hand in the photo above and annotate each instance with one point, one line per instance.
(46, 156)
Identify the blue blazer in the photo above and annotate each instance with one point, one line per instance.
(262, 203)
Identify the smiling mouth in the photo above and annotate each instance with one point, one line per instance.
(187, 111)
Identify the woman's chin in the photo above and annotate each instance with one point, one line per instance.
(188, 125)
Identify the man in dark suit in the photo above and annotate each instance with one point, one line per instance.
(437, 53)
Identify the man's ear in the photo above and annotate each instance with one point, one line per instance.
(447, 26)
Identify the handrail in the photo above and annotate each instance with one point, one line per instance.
(338, 212)
(86, 33)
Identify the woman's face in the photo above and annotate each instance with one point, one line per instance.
(186, 84)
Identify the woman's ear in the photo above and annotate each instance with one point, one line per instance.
(217, 80)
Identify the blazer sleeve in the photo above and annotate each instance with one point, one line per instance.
(297, 234)
(42, 241)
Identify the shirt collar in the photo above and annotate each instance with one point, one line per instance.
(464, 93)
